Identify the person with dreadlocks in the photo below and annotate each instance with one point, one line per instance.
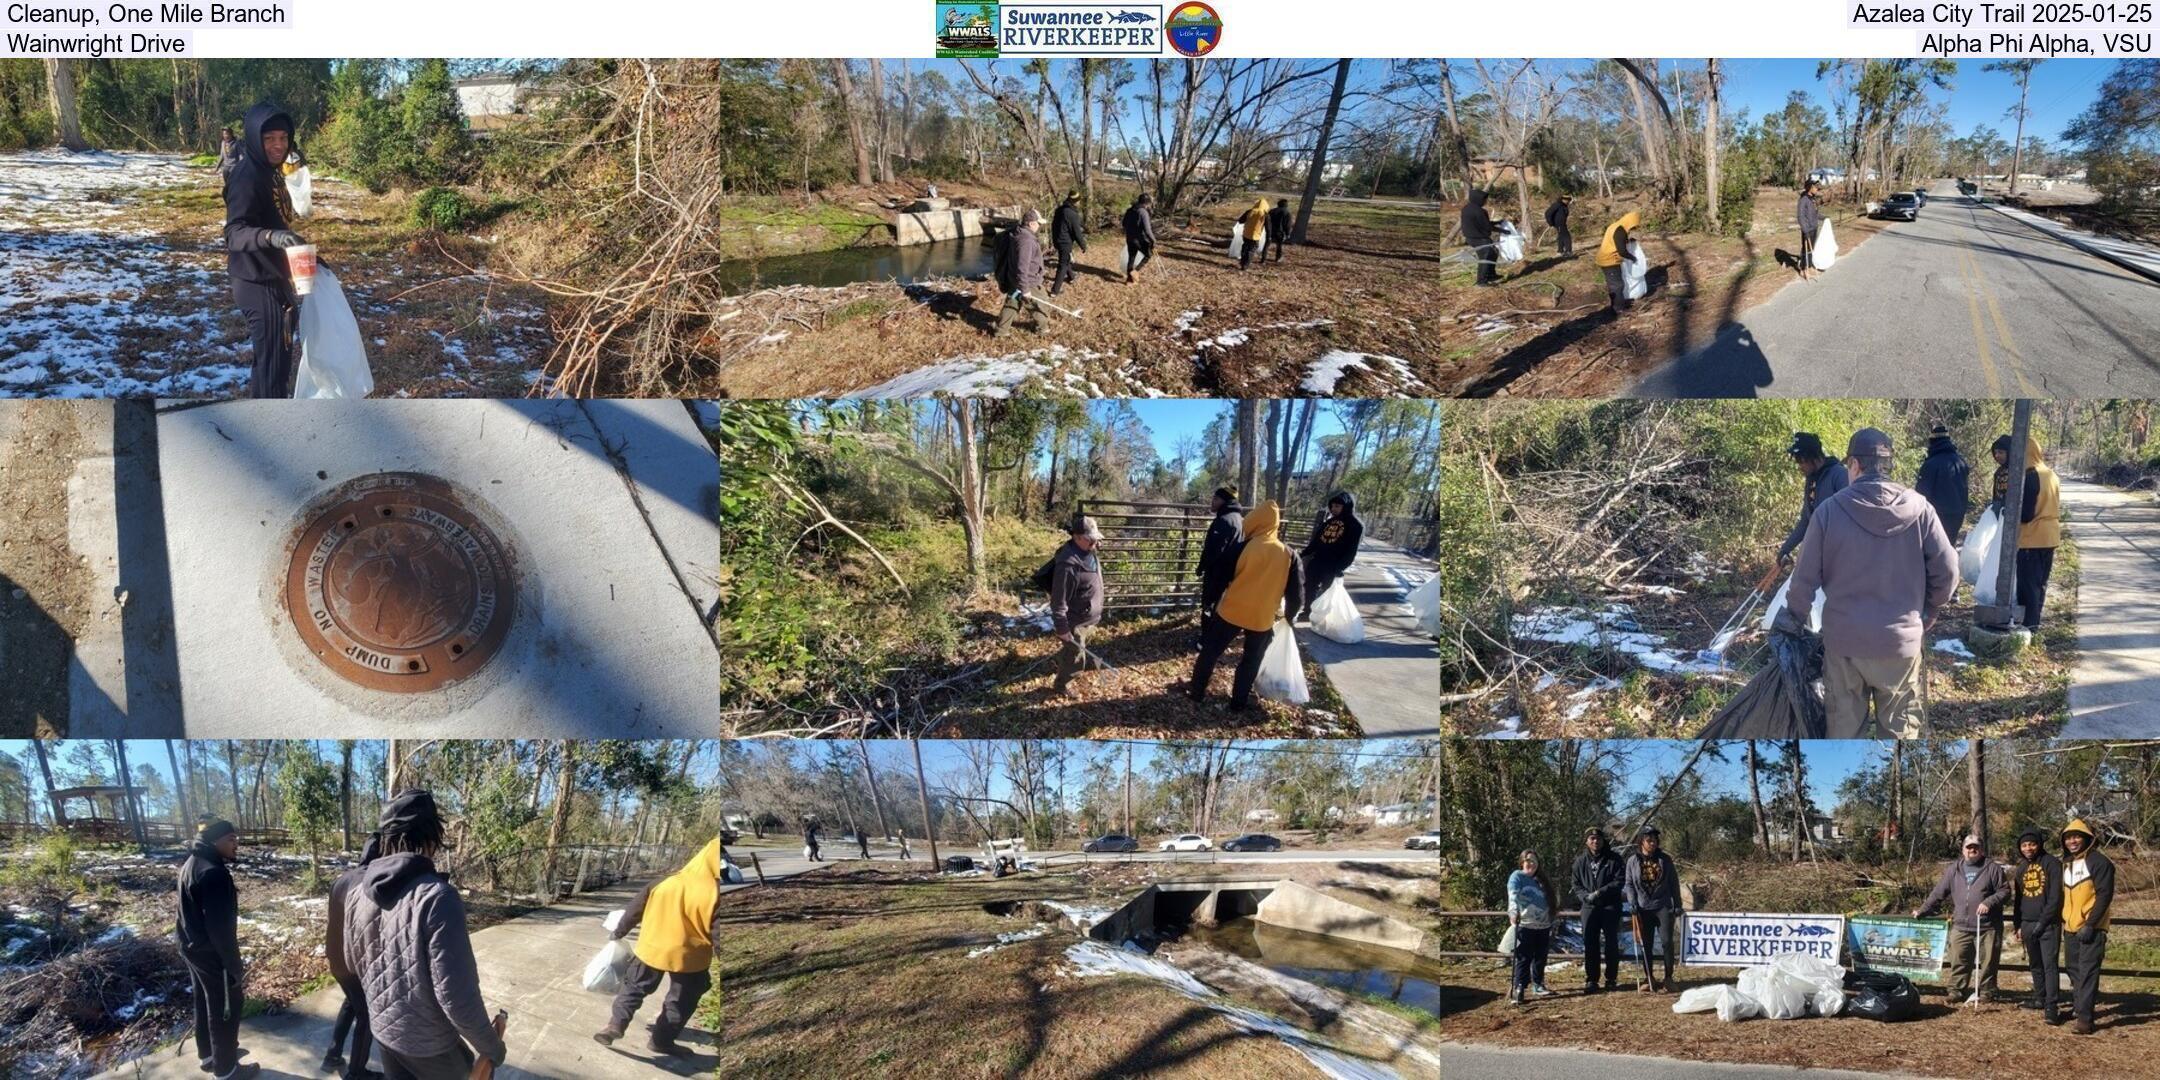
(405, 937)
(352, 1015)
(258, 229)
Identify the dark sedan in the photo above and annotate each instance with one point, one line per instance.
(1112, 842)
(1900, 206)
(1253, 842)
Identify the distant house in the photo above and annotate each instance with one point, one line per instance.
(1296, 164)
(1490, 171)
(1398, 814)
(1262, 817)
(493, 102)
(1821, 828)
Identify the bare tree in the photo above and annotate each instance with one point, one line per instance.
(1248, 437)
(1710, 143)
(846, 84)
(67, 116)
(922, 795)
(1316, 168)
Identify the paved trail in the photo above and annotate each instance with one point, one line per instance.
(2115, 688)
(530, 967)
(1460, 1062)
(1391, 680)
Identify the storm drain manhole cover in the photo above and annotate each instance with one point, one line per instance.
(396, 585)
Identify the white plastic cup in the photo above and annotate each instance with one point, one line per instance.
(300, 259)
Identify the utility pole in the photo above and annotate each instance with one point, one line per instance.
(1128, 790)
(922, 792)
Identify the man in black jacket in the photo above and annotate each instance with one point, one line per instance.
(1333, 547)
(2036, 909)
(1067, 231)
(352, 1016)
(1139, 225)
(258, 216)
(1599, 878)
(1556, 216)
(208, 933)
(1477, 231)
(1945, 481)
(1825, 477)
(1278, 229)
(1219, 551)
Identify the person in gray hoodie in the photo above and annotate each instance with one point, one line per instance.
(1976, 888)
(1076, 599)
(1019, 273)
(1885, 566)
(405, 937)
(1653, 898)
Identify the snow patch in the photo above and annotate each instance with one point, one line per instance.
(1058, 369)
(1329, 369)
(1611, 627)
(1012, 938)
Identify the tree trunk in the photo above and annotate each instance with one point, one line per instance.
(1087, 132)
(559, 822)
(922, 796)
(879, 113)
(345, 754)
(1457, 141)
(1710, 145)
(184, 803)
(1248, 437)
(232, 773)
(870, 781)
(1754, 791)
(1976, 789)
(907, 113)
(127, 795)
(67, 118)
(2017, 151)
(854, 121)
(971, 494)
(1317, 167)
(1128, 789)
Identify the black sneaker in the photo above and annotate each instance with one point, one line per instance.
(1593, 988)
(2029, 1003)
(244, 1071)
(606, 1037)
(671, 1048)
(333, 1062)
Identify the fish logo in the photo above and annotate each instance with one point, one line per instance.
(1194, 29)
(1132, 17)
(1811, 930)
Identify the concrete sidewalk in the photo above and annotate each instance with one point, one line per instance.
(2115, 687)
(529, 967)
(1391, 680)
(1459, 1061)
(2128, 254)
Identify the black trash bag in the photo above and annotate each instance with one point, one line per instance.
(1880, 995)
(1780, 702)
(958, 864)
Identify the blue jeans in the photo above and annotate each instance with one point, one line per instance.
(1531, 947)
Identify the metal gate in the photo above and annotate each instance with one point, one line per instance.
(1150, 549)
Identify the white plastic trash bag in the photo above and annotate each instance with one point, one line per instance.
(806, 853)
(1335, 616)
(1777, 604)
(333, 356)
(1729, 1003)
(614, 920)
(1781, 997)
(1510, 242)
(1282, 671)
(1507, 941)
(1699, 999)
(301, 186)
(1825, 246)
(1425, 604)
(1980, 560)
(1635, 273)
(1237, 241)
(603, 973)
(730, 874)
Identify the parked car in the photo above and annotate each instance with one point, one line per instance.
(1111, 842)
(1253, 842)
(1900, 206)
(1187, 842)
(1424, 841)
(729, 836)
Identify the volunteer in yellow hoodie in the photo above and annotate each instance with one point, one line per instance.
(2088, 889)
(1254, 222)
(2040, 524)
(1267, 583)
(674, 918)
(1611, 252)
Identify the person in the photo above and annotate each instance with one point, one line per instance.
(1556, 218)
(676, 919)
(2088, 879)
(2039, 531)
(1976, 889)
(1885, 567)
(208, 933)
(1477, 231)
(228, 153)
(1653, 896)
(1945, 481)
(1599, 876)
(1139, 225)
(1219, 549)
(862, 842)
(405, 937)
(810, 840)
(258, 212)
(1068, 230)
(1278, 229)
(1810, 217)
(1824, 478)
(1254, 222)
(1076, 599)
(352, 1015)
(2036, 906)
(1611, 253)
(1264, 584)
(1333, 547)
(1019, 273)
(1530, 912)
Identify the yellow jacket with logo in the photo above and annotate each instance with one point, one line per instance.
(1255, 219)
(2045, 528)
(675, 932)
(1608, 252)
(2088, 883)
(1266, 576)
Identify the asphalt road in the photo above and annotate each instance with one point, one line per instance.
(1459, 1062)
(2115, 688)
(779, 864)
(1964, 302)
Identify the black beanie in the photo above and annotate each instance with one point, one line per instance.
(412, 812)
(216, 831)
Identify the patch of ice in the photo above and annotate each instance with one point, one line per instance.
(1186, 320)
(1612, 627)
(1014, 937)
(1329, 369)
(112, 934)
(1056, 367)
(1510, 728)
(1955, 648)
(1239, 335)
(1082, 916)
(1490, 325)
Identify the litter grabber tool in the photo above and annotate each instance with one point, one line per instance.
(484, 1069)
(1068, 312)
(1723, 639)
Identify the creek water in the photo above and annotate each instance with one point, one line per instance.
(967, 257)
(1404, 978)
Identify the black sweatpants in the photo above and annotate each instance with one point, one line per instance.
(1567, 242)
(1274, 243)
(2043, 946)
(1658, 936)
(1064, 268)
(1317, 582)
(2083, 964)
(352, 1018)
(1215, 636)
(1601, 939)
(269, 311)
(218, 999)
(1141, 251)
(1488, 263)
(2034, 566)
(1616, 290)
(639, 981)
(454, 1064)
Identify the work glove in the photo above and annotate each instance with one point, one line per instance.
(1788, 623)
(285, 238)
(2085, 936)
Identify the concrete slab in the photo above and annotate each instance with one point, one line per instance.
(605, 509)
(1301, 907)
(529, 967)
(2115, 687)
(1391, 680)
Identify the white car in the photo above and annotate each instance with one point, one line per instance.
(1187, 842)
(1426, 841)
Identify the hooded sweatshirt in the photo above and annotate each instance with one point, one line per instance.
(1612, 250)
(1809, 214)
(1945, 481)
(2088, 883)
(334, 920)
(1334, 545)
(1988, 886)
(1827, 480)
(1255, 220)
(1278, 221)
(2041, 515)
(256, 203)
(1884, 565)
(1139, 225)
(1218, 551)
(1598, 880)
(1267, 576)
(1477, 225)
(675, 915)
(1067, 230)
(1528, 901)
(209, 920)
(405, 937)
(1076, 588)
(2036, 897)
(1653, 883)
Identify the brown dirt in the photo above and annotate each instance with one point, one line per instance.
(44, 585)
(1541, 332)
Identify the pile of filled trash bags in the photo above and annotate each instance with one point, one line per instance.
(1794, 986)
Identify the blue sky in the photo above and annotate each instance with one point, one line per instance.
(1829, 762)
(1169, 420)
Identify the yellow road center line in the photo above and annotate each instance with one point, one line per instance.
(2002, 327)
(1980, 339)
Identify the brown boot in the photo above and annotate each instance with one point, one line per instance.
(2082, 1027)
